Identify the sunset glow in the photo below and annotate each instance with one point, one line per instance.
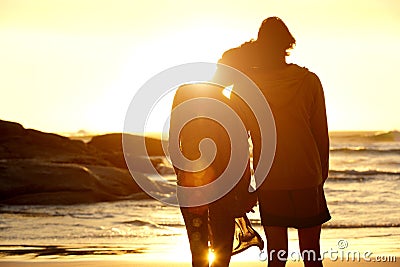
(71, 65)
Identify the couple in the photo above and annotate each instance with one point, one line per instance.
(291, 195)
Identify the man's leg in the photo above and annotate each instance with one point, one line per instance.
(309, 246)
(277, 245)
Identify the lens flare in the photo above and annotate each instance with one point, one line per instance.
(211, 256)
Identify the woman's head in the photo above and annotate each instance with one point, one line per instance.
(275, 36)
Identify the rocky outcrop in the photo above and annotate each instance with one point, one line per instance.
(45, 168)
(19, 143)
(138, 150)
(137, 147)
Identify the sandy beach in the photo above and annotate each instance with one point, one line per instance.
(380, 250)
(117, 263)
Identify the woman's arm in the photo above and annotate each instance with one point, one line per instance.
(319, 126)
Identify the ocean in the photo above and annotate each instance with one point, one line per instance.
(363, 194)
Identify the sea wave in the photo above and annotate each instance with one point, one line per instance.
(387, 136)
(141, 223)
(390, 136)
(172, 224)
(346, 173)
(333, 225)
(37, 251)
(22, 213)
(354, 150)
(90, 216)
(368, 225)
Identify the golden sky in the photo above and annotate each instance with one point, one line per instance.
(67, 65)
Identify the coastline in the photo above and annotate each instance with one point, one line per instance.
(38, 229)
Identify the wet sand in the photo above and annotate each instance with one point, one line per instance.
(117, 263)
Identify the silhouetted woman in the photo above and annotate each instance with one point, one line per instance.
(217, 217)
(292, 194)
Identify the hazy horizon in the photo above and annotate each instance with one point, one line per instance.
(86, 132)
(158, 134)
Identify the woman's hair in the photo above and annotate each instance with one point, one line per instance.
(275, 36)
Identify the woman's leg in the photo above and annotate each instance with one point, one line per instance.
(277, 245)
(197, 231)
(309, 246)
(222, 228)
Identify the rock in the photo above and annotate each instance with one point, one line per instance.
(35, 182)
(137, 149)
(113, 143)
(19, 143)
(46, 168)
(8, 129)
